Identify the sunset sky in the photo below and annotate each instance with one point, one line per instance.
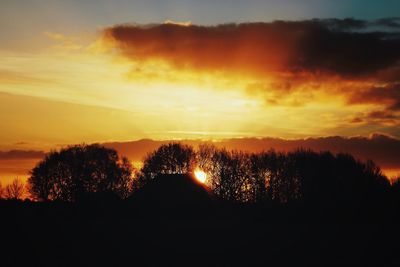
(102, 71)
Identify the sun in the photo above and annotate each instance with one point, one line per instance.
(200, 176)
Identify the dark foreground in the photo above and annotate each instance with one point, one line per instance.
(121, 234)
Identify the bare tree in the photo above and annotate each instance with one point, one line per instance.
(229, 172)
(15, 190)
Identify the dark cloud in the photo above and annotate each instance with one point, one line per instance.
(388, 95)
(356, 120)
(21, 143)
(351, 24)
(315, 46)
(358, 59)
(346, 24)
(382, 117)
(348, 54)
(21, 154)
(388, 22)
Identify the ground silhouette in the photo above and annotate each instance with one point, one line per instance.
(180, 194)
(165, 226)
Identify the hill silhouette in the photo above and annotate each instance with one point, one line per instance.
(174, 193)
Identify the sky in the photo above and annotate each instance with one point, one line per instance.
(104, 71)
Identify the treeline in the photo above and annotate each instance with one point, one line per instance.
(84, 172)
(302, 175)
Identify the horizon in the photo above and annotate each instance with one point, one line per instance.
(382, 149)
(93, 72)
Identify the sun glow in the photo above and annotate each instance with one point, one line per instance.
(200, 176)
(157, 99)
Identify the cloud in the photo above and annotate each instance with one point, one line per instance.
(389, 95)
(21, 143)
(382, 117)
(386, 97)
(21, 154)
(314, 46)
(288, 63)
(246, 48)
(63, 42)
(180, 23)
(351, 24)
(393, 22)
(55, 36)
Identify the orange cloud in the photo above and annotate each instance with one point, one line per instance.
(387, 94)
(313, 46)
(21, 154)
(289, 63)
(226, 47)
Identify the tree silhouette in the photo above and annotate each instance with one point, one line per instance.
(338, 180)
(228, 171)
(172, 158)
(1, 191)
(15, 190)
(300, 175)
(317, 178)
(395, 192)
(79, 171)
(264, 169)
